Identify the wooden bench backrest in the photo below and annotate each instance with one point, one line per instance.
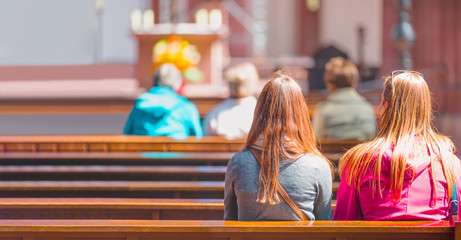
(113, 208)
(124, 143)
(116, 158)
(115, 143)
(122, 189)
(138, 189)
(142, 229)
(101, 172)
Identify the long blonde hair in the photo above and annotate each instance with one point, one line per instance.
(408, 115)
(282, 119)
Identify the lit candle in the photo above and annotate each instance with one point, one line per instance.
(215, 19)
(313, 5)
(148, 20)
(136, 20)
(99, 5)
(201, 16)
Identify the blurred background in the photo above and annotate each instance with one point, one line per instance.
(76, 66)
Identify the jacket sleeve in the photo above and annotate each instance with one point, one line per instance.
(230, 199)
(322, 205)
(348, 203)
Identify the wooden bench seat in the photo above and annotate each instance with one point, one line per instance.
(233, 230)
(101, 172)
(113, 208)
(138, 189)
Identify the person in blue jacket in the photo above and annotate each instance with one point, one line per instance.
(163, 112)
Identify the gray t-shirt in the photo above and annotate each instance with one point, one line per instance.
(307, 180)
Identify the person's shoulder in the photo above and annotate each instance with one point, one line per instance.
(313, 164)
(220, 107)
(239, 159)
(322, 103)
(185, 103)
(362, 98)
(321, 106)
(243, 155)
(144, 96)
(143, 99)
(313, 160)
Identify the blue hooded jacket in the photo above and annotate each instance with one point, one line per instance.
(162, 112)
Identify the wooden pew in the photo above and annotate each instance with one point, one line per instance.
(88, 105)
(98, 172)
(124, 143)
(334, 146)
(111, 208)
(127, 158)
(136, 189)
(116, 158)
(171, 229)
(115, 143)
(107, 105)
(114, 208)
(122, 189)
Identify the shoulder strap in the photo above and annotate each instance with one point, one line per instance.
(282, 192)
(454, 194)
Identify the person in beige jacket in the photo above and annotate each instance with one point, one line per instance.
(345, 114)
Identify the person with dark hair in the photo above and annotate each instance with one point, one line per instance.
(281, 174)
(408, 171)
(163, 112)
(345, 114)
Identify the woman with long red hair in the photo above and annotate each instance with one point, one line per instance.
(280, 175)
(408, 171)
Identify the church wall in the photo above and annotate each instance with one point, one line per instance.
(47, 32)
(339, 22)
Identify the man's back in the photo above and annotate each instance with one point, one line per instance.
(345, 115)
(231, 119)
(162, 112)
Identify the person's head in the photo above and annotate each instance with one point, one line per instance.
(281, 119)
(168, 75)
(242, 80)
(340, 73)
(406, 105)
(406, 115)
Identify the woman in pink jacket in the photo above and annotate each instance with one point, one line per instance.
(408, 171)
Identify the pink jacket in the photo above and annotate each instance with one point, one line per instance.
(417, 194)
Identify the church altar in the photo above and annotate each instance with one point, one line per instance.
(211, 44)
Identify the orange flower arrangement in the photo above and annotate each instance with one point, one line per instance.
(181, 53)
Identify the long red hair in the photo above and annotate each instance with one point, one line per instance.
(282, 120)
(407, 116)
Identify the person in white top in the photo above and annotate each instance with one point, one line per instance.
(233, 117)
